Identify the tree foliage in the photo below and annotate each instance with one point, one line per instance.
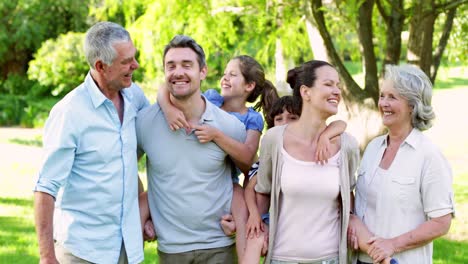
(25, 24)
(417, 17)
(45, 36)
(59, 65)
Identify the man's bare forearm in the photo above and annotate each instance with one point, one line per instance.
(43, 214)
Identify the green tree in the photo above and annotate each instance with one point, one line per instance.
(59, 65)
(419, 17)
(25, 24)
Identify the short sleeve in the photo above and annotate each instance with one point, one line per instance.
(214, 97)
(264, 175)
(254, 121)
(436, 186)
(139, 99)
(253, 170)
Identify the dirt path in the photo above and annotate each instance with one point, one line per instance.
(450, 130)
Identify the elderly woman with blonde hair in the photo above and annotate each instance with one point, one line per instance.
(404, 188)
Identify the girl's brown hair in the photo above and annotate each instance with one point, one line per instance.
(252, 71)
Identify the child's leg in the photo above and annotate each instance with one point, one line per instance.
(363, 234)
(253, 249)
(240, 214)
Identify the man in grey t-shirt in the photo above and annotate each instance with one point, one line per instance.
(189, 183)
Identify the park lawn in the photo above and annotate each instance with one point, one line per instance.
(18, 243)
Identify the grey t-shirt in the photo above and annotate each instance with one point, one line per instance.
(189, 183)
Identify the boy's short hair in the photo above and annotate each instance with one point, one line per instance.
(289, 103)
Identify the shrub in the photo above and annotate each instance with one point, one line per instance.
(60, 64)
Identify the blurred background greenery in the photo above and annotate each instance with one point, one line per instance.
(41, 56)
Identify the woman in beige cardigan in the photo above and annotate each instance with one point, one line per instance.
(310, 202)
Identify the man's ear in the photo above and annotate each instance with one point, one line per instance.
(203, 72)
(100, 66)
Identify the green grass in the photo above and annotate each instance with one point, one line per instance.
(17, 237)
(36, 142)
(18, 243)
(451, 77)
(450, 251)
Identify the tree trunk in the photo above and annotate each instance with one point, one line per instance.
(316, 42)
(450, 16)
(366, 35)
(360, 109)
(421, 29)
(394, 20)
(351, 92)
(280, 69)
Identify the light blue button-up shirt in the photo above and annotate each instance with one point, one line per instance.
(90, 167)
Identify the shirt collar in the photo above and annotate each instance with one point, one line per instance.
(207, 115)
(412, 139)
(97, 96)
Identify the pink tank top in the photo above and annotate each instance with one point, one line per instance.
(309, 216)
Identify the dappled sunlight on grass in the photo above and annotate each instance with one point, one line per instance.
(18, 243)
(451, 77)
(17, 236)
(450, 252)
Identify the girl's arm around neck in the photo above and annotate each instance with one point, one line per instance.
(174, 116)
(323, 151)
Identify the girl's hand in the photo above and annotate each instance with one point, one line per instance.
(148, 231)
(254, 226)
(265, 243)
(176, 119)
(228, 225)
(205, 133)
(352, 237)
(322, 152)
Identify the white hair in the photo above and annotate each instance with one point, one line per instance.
(100, 39)
(414, 85)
